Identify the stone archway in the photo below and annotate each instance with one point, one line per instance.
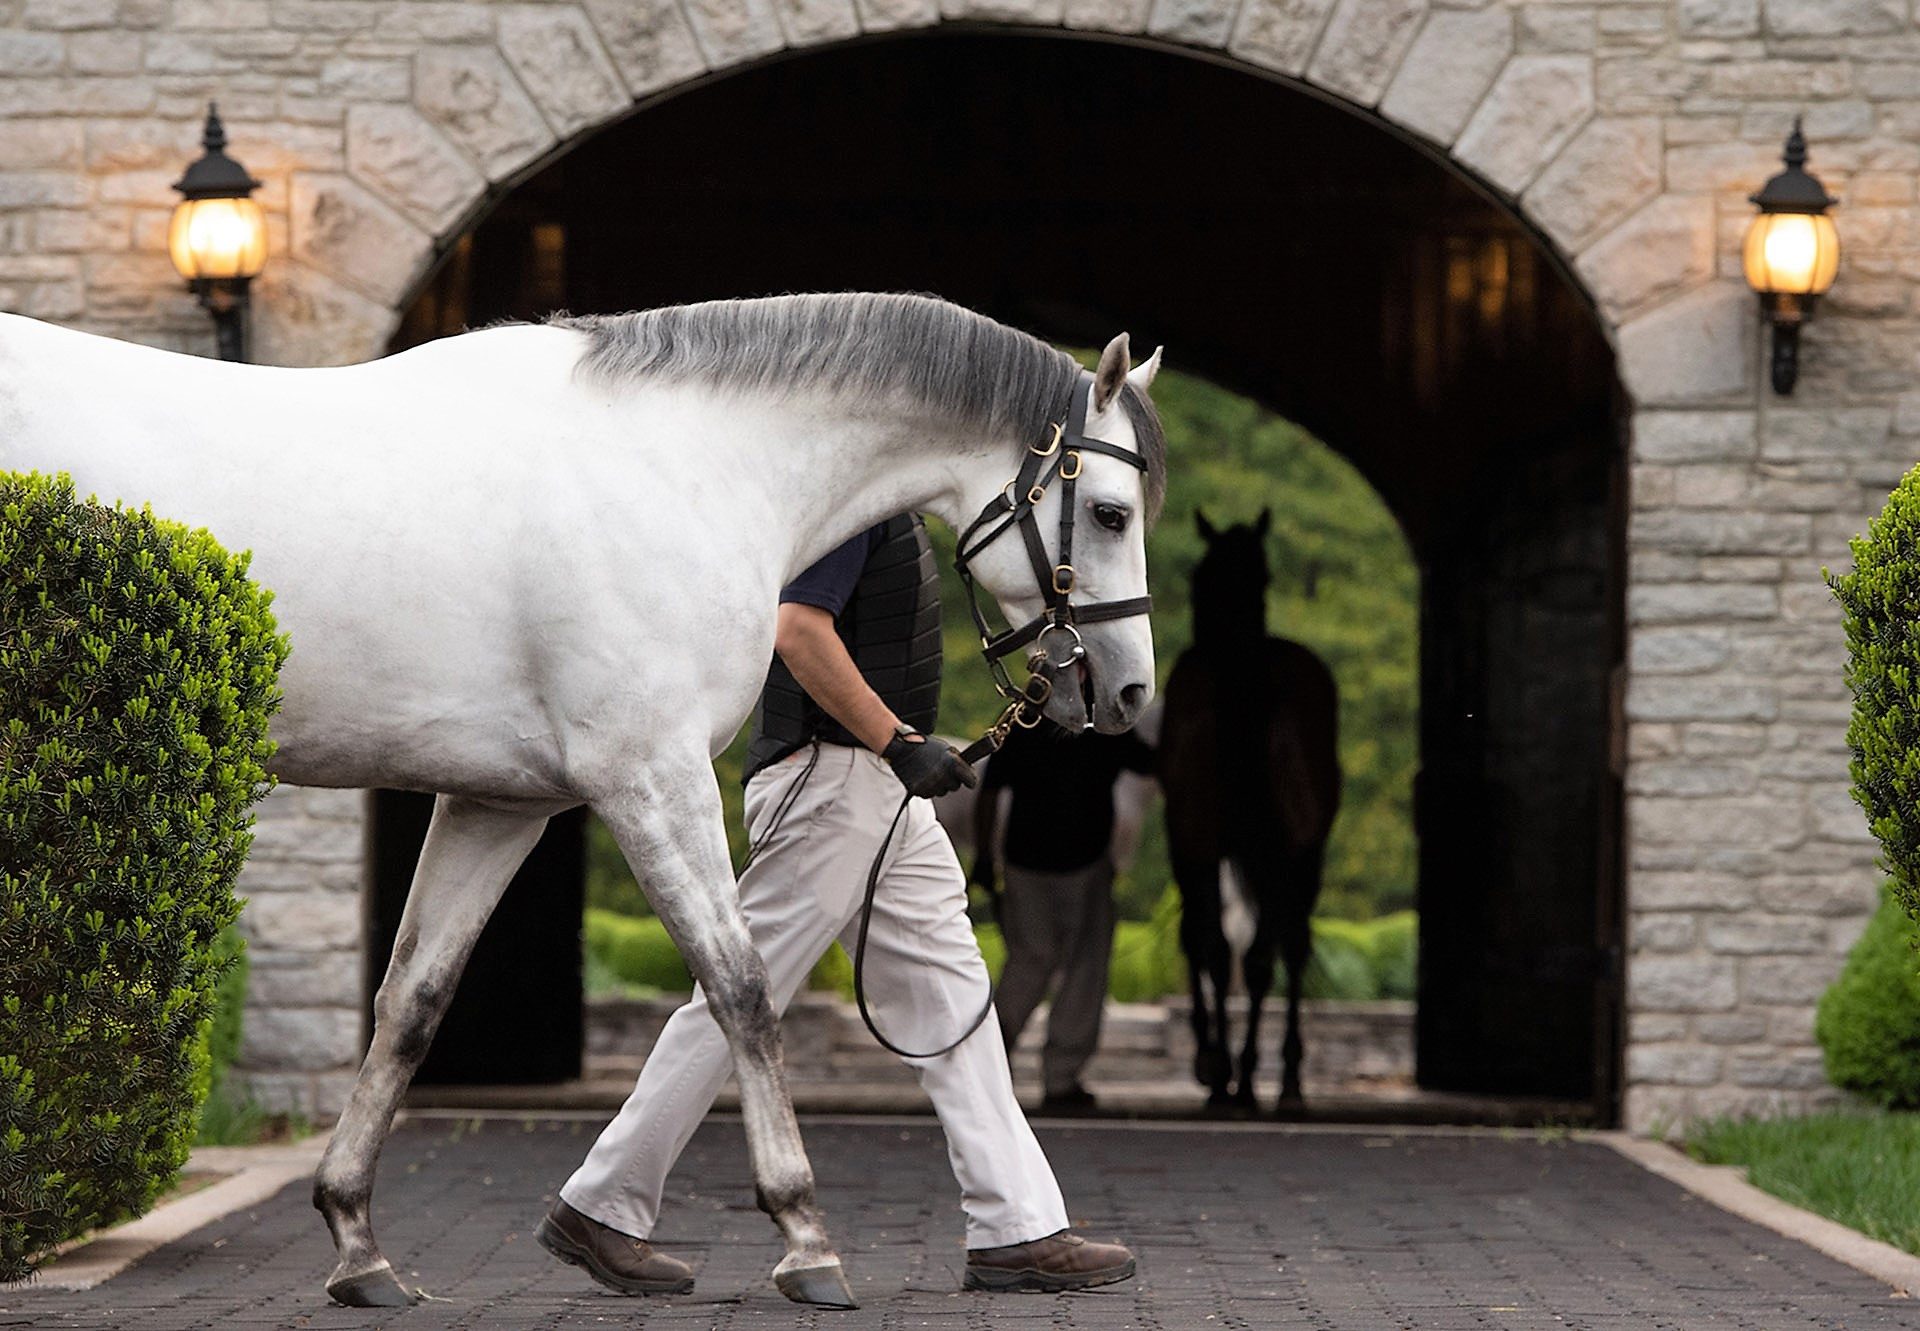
(1409, 321)
(1627, 136)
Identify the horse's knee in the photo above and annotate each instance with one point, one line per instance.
(743, 1006)
(407, 1009)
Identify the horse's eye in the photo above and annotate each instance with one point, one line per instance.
(1111, 516)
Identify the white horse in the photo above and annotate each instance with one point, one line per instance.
(537, 566)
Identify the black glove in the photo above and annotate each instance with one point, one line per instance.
(928, 767)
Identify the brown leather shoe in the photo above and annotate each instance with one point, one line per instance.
(618, 1261)
(1046, 1266)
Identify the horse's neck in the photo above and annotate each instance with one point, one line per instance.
(825, 476)
(1226, 628)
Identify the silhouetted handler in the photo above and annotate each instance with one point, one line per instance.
(1057, 911)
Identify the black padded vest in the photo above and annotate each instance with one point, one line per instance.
(891, 627)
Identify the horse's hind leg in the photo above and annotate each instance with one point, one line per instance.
(471, 854)
(1296, 951)
(670, 828)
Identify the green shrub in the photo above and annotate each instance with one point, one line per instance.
(1880, 600)
(137, 675)
(228, 1116)
(229, 1003)
(635, 949)
(1868, 1022)
(1396, 954)
(1147, 961)
(1342, 964)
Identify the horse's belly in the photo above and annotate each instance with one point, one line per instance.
(395, 695)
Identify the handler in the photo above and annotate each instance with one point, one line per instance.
(857, 650)
(1057, 911)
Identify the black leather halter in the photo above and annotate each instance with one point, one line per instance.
(1059, 457)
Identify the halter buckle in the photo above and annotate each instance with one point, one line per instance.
(1035, 495)
(1059, 429)
(1070, 579)
(1027, 707)
(1073, 457)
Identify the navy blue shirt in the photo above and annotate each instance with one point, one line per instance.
(827, 583)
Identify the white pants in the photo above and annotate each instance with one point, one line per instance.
(925, 981)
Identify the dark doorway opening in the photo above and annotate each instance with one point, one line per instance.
(517, 1015)
(1298, 252)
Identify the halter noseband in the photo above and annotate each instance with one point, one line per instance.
(1060, 456)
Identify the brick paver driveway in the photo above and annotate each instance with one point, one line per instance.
(1234, 1228)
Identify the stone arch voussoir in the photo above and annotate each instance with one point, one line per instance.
(483, 113)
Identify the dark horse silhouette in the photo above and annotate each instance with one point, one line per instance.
(1252, 780)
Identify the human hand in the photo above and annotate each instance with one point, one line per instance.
(928, 767)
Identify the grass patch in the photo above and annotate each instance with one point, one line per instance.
(1862, 1170)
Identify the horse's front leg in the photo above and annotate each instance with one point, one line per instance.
(471, 855)
(1209, 966)
(669, 826)
(1257, 969)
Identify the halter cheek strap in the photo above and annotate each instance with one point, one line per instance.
(1061, 456)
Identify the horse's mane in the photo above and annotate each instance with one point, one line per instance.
(955, 363)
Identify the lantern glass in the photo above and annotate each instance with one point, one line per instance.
(218, 238)
(1792, 254)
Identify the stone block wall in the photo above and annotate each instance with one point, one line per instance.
(1627, 131)
(304, 923)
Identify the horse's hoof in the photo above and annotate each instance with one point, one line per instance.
(821, 1286)
(378, 1288)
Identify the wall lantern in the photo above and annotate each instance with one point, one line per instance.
(218, 238)
(1791, 255)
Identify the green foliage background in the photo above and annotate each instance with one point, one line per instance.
(137, 676)
(632, 956)
(1345, 584)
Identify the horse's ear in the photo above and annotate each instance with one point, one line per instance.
(1114, 364)
(1207, 533)
(1264, 524)
(1142, 375)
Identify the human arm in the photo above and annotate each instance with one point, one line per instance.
(805, 638)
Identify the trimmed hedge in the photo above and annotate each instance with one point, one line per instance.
(634, 950)
(1352, 959)
(137, 676)
(1868, 1022)
(633, 953)
(1880, 598)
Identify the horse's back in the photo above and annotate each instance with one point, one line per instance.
(424, 522)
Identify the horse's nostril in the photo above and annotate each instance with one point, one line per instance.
(1133, 697)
